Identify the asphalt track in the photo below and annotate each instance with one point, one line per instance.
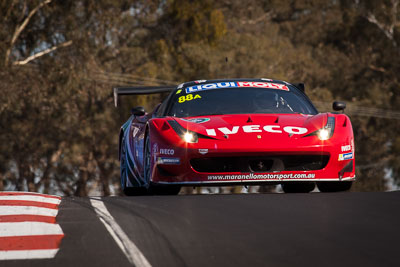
(316, 229)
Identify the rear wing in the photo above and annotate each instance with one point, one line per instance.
(142, 90)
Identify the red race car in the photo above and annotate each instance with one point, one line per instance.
(234, 132)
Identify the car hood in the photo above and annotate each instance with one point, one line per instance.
(240, 126)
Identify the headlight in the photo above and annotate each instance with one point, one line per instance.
(326, 132)
(189, 138)
(186, 135)
(323, 134)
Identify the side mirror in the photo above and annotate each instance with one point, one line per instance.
(138, 111)
(338, 105)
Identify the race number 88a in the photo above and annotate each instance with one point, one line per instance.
(188, 97)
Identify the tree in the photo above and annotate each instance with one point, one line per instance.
(59, 130)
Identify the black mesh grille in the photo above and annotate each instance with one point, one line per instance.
(260, 163)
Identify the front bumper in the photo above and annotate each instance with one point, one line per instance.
(179, 169)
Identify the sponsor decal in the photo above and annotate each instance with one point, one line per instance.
(188, 97)
(345, 156)
(209, 86)
(168, 161)
(346, 148)
(166, 151)
(258, 129)
(197, 120)
(253, 176)
(203, 151)
(264, 85)
(179, 91)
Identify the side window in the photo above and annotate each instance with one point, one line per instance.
(307, 102)
(160, 109)
(164, 105)
(156, 110)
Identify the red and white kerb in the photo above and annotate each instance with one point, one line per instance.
(28, 228)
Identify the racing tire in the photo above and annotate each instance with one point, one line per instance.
(155, 189)
(128, 191)
(296, 187)
(123, 166)
(147, 161)
(327, 187)
(165, 189)
(135, 191)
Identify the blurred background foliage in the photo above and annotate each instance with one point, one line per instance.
(60, 59)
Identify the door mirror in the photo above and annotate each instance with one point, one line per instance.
(338, 105)
(138, 111)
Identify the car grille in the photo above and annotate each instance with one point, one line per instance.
(260, 163)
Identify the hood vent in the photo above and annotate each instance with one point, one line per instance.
(259, 164)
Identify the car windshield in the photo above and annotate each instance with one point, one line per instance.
(239, 101)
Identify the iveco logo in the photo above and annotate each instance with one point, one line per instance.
(258, 129)
(165, 151)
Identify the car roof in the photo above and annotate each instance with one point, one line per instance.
(168, 101)
(198, 82)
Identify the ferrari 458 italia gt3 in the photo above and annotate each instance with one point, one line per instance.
(234, 132)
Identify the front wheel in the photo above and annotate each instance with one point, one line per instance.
(123, 167)
(165, 189)
(154, 188)
(147, 161)
(124, 172)
(298, 187)
(334, 186)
